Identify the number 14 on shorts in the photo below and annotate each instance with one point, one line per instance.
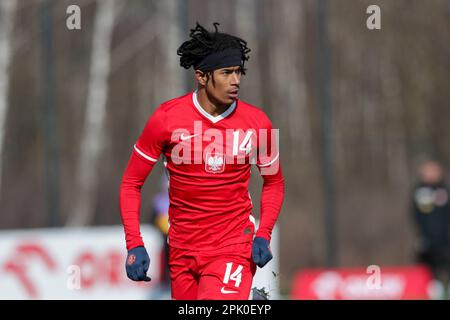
(236, 276)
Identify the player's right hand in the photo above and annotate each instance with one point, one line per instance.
(137, 264)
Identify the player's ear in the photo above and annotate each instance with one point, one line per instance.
(201, 77)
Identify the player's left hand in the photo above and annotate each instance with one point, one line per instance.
(261, 253)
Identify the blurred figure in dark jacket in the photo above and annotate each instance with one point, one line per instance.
(431, 211)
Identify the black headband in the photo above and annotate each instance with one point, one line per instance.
(222, 59)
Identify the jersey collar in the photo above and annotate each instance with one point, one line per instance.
(213, 119)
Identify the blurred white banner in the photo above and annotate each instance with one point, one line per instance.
(42, 264)
(47, 264)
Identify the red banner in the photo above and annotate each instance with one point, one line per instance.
(411, 282)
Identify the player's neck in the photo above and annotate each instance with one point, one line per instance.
(212, 107)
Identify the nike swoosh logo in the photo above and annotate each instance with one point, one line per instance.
(224, 291)
(184, 138)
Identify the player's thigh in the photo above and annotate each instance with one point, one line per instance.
(228, 277)
(184, 285)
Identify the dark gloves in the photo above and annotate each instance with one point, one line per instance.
(137, 264)
(261, 253)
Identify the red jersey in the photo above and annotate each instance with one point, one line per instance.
(209, 164)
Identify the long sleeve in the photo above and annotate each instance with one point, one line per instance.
(271, 202)
(269, 166)
(130, 198)
(146, 152)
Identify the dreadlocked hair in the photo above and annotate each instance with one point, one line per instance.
(204, 42)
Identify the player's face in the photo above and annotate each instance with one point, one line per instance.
(223, 85)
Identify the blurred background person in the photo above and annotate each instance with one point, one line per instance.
(160, 219)
(431, 213)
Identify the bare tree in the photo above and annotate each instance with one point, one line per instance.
(247, 28)
(168, 25)
(287, 79)
(7, 14)
(92, 138)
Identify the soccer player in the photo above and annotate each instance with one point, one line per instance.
(209, 139)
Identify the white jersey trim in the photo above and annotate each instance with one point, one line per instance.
(144, 155)
(207, 115)
(268, 164)
(252, 219)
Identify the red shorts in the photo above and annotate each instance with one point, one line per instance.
(223, 274)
